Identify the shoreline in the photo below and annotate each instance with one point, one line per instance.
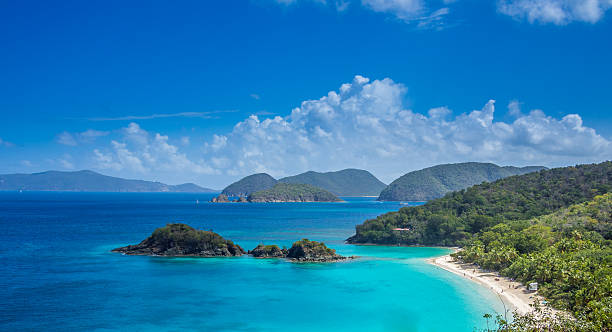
(512, 294)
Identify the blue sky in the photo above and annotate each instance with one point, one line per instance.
(209, 91)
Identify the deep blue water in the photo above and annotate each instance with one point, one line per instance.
(57, 271)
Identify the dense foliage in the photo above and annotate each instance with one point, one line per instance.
(459, 215)
(250, 184)
(435, 182)
(568, 253)
(183, 240)
(267, 251)
(347, 182)
(289, 192)
(310, 249)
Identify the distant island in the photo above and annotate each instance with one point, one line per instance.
(177, 240)
(434, 182)
(88, 181)
(283, 192)
(347, 182)
(290, 192)
(250, 184)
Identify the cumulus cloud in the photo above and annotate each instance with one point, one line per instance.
(140, 151)
(365, 125)
(559, 12)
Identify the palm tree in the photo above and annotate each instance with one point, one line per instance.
(487, 316)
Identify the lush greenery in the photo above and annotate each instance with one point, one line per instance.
(290, 192)
(267, 251)
(183, 240)
(311, 250)
(459, 215)
(435, 182)
(568, 253)
(88, 181)
(250, 184)
(347, 182)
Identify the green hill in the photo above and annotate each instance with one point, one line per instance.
(88, 181)
(293, 192)
(460, 214)
(250, 184)
(567, 253)
(435, 182)
(347, 182)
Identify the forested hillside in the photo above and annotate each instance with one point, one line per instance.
(250, 184)
(434, 182)
(459, 215)
(568, 253)
(347, 182)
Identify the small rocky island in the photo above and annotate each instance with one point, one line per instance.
(301, 251)
(180, 240)
(283, 192)
(177, 240)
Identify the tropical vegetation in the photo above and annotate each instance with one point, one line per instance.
(290, 192)
(458, 216)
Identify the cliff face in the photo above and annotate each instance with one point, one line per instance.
(183, 240)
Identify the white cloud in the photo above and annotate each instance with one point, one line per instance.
(5, 143)
(365, 125)
(404, 9)
(255, 96)
(73, 139)
(559, 12)
(201, 115)
(142, 152)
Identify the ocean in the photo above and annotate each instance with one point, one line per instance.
(58, 274)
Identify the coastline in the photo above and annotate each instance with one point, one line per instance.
(513, 294)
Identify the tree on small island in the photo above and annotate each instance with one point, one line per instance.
(183, 240)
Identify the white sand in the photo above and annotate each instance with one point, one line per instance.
(514, 295)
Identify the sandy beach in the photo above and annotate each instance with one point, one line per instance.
(514, 295)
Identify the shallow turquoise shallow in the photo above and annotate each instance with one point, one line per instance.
(58, 273)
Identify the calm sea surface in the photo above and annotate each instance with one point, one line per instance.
(57, 271)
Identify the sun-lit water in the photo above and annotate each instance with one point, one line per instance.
(58, 273)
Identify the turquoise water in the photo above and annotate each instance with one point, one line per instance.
(58, 272)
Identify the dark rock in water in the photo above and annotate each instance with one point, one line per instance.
(220, 199)
(183, 240)
(312, 251)
(269, 251)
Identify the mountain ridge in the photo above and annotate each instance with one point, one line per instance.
(436, 181)
(88, 181)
